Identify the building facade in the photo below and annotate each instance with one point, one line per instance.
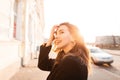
(108, 41)
(21, 28)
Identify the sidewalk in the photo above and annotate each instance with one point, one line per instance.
(30, 72)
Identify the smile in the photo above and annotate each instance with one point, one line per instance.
(57, 42)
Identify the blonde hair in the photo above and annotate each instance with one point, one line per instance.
(81, 45)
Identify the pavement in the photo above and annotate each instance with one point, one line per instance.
(31, 72)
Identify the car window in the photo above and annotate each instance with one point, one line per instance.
(95, 50)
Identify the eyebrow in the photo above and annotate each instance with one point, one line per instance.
(60, 30)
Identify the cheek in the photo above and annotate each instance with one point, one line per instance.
(67, 39)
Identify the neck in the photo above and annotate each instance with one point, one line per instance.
(68, 47)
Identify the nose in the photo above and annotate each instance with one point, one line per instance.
(56, 36)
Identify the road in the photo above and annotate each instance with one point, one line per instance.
(105, 72)
(102, 74)
(33, 73)
(98, 72)
(115, 66)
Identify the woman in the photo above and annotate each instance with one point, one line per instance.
(72, 61)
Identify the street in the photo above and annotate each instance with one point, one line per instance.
(115, 66)
(103, 72)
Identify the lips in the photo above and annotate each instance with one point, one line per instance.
(57, 42)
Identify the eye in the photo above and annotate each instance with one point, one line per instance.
(61, 32)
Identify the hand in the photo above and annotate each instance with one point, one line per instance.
(51, 38)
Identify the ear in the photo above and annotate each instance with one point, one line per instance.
(73, 42)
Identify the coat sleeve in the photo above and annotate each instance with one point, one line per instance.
(44, 63)
(71, 69)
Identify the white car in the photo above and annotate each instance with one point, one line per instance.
(99, 56)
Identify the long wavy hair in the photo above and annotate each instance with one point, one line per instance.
(80, 49)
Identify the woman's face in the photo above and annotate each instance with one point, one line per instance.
(63, 37)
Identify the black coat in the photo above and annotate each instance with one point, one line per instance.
(69, 68)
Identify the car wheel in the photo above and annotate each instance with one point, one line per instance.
(109, 64)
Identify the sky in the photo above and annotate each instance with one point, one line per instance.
(92, 17)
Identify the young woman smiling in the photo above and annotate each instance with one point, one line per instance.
(73, 59)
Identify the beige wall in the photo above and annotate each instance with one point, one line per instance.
(4, 19)
(12, 50)
(9, 48)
